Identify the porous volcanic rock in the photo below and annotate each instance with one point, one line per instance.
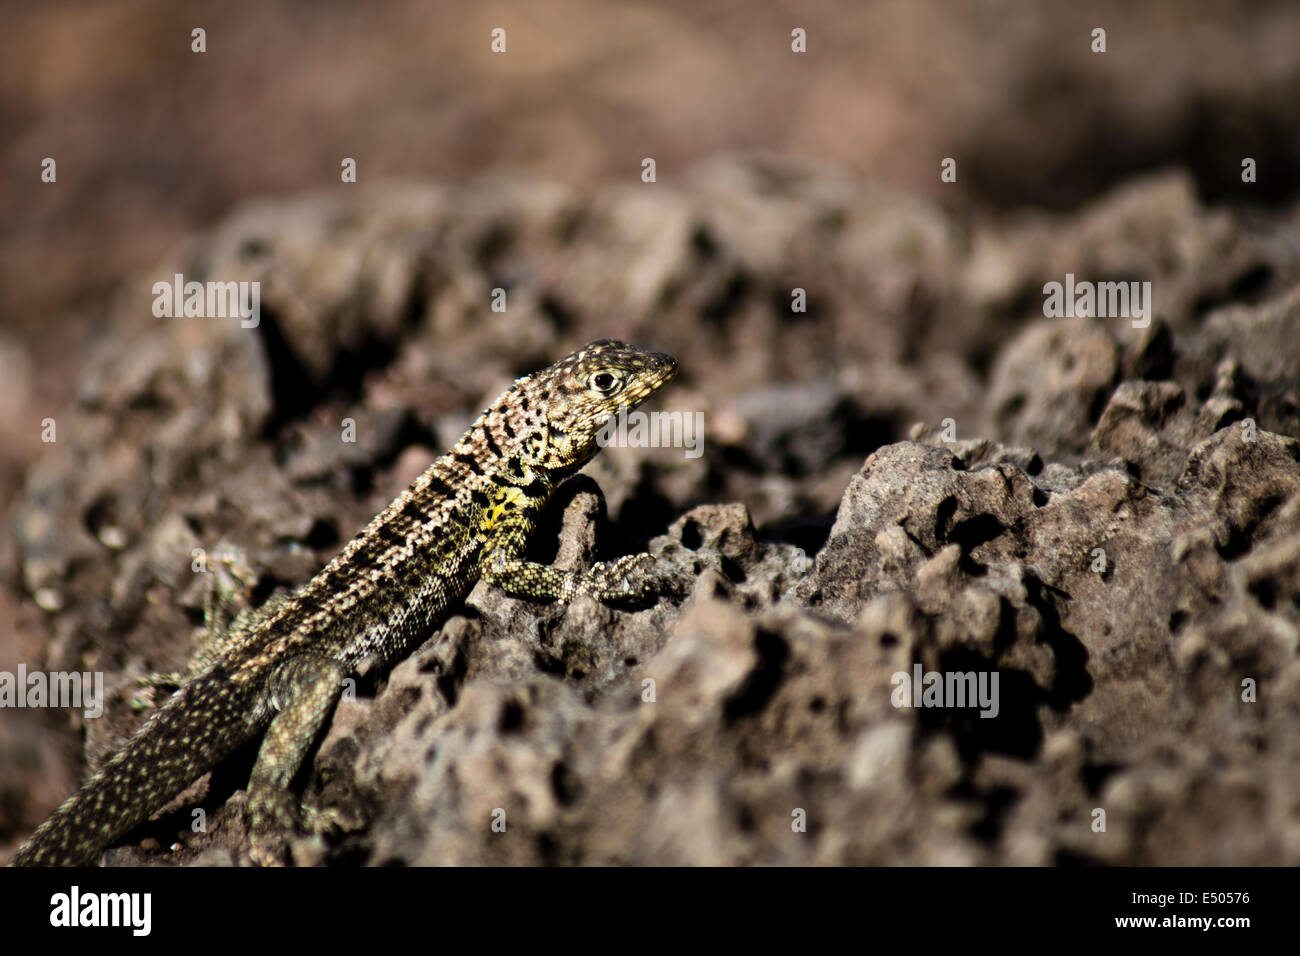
(919, 470)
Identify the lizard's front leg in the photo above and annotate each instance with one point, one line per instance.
(303, 690)
(505, 532)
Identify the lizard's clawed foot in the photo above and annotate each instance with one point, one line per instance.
(628, 578)
(321, 820)
(277, 822)
(273, 817)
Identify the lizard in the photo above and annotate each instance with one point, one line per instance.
(278, 670)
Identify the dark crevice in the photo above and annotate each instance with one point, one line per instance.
(512, 718)
(1072, 682)
(409, 432)
(1242, 538)
(943, 517)
(1156, 360)
(547, 664)
(807, 533)
(560, 316)
(449, 683)
(295, 391)
(495, 242)
(1097, 406)
(565, 785)
(997, 804)
(323, 534)
(1096, 774)
(727, 300)
(761, 683)
(733, 571)
(416, 306)
(1264, 591)
(1015, 730)
(292, 391)
(703, 244)
(782, 301)
(975, 531)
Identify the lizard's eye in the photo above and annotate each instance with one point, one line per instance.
(604, 382)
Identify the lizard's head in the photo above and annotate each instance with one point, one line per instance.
(581, 391)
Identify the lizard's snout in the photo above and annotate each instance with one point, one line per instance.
(666, 363)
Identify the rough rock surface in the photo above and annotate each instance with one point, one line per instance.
(1110, 521)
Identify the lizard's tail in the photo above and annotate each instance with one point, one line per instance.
(199, 725)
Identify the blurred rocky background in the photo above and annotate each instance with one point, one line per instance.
(836, 529)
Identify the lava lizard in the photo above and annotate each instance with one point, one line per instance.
(278, 671)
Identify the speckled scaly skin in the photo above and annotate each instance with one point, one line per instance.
(278, 672)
